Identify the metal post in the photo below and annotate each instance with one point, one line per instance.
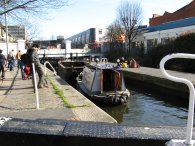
(6, 29)
(35, 86)
(71, 57)
(188, 141)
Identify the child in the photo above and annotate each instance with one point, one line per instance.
(26, 72)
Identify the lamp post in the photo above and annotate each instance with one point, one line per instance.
(6, 29)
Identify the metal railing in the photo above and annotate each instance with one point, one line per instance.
(46, 62)
(35, 86)
(188, 141)
(35, 81)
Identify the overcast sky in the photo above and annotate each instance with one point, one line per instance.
(85, 14)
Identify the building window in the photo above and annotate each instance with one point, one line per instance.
(151, 43)
(100, 31)
(164, 40)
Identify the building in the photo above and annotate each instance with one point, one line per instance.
(92, 38)
(3, 35)
(51, 44)
(164, 28)
(18, 32)
(161, 34)
(14, 43)
(185, 12)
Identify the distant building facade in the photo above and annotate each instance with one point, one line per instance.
(92, 38)
(185, 12)
(3, 35)
(162, 34)
(14, 43)
(51, 44)
(168, 27)
(18, 32)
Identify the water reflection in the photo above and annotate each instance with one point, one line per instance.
(149, 110)
(117, 111)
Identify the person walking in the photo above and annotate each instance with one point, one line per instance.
(18, 57)
(10, 59)
(34, 58)
(2, 64)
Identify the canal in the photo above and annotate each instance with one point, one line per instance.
(147, 108)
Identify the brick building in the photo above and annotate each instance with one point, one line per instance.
(168, 27)
(185, 12)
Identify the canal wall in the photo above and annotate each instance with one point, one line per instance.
(152, 79)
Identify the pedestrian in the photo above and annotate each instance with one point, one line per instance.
(10, 59)
(133, 63)
(122, 60)
(118, 66)
(34, 58)
(2, 64)
(18, 57)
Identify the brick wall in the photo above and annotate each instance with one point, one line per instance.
(184, 12)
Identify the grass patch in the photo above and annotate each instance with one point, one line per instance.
(61, 95)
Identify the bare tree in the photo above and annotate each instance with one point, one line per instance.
(32, 31)
(19, 12)
(130, 15)
(28, 6)
(114, 35)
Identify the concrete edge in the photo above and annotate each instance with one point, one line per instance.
(85, 110)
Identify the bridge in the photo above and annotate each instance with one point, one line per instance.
(74, 53)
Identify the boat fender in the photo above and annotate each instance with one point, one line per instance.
(118, 100)
(122, 100)
(115, 100)
(125, 99)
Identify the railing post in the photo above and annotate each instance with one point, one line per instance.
(35, 86)
(188, 141)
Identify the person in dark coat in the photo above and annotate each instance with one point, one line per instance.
(2, 63)
(34, 58)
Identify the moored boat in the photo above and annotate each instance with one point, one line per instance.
(104, 83)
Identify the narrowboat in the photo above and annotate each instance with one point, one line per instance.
(104, 83)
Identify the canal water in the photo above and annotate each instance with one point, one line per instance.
(150, 109)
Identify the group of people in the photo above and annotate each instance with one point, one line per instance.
(24, 62)
(3, 61)
(124, 63)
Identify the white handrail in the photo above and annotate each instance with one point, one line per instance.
(35, 86)
(46, 62)
(188, 140)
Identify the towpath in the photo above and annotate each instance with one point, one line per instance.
(18, 100)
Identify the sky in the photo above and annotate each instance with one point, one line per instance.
(84, 14)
